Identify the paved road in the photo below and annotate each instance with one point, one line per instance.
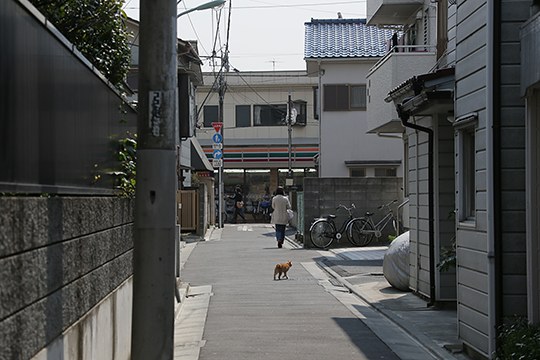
(251, 316)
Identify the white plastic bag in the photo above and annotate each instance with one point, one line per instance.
(290, 214)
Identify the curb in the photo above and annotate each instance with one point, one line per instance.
(183, 289)
(425, 342)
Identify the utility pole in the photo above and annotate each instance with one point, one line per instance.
(222, 87)
(221, 92)
(289, 180)
(155, 199)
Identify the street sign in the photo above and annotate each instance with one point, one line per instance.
(217, 125)
(217, 154)
(217, 146)
(217, 138)
(217, 163)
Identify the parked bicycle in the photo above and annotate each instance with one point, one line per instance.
(323, 231)
(367, 229)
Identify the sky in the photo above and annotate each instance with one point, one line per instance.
(263, 36)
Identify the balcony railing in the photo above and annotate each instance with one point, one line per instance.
(398, 65)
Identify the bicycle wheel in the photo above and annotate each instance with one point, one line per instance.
(322, 234)
(357, 234)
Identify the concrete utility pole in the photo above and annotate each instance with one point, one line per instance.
(222, 87)
(289, 180)
(222, 206)
(155, 201)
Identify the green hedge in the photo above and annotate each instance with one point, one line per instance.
(519, 340)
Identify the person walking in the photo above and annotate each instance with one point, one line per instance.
(238, 205)
(280, 218)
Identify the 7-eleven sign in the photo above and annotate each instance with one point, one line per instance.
(217, 126)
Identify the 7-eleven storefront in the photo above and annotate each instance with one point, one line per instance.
(259, 170)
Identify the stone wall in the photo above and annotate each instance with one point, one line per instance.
(323, 195)
(59, 258)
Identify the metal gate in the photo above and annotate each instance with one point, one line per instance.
(188, 209)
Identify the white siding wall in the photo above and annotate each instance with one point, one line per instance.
(472, 272)
(419, 211)
(451, 47)
(444, 204)
(533, 227)
(509, 170)
(512, 172)
(343, 133)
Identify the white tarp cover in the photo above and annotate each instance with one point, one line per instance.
(396, 262)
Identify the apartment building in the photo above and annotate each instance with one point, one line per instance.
(257, 149)
(339, 54)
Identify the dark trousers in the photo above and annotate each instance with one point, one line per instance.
(280, 232)
(238, 212)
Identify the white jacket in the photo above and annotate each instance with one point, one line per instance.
(280, 204)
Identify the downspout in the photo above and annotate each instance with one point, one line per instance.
(494, 247)
(405, 121)
(319, 105)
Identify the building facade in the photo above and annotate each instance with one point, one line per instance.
(339, 54)
(475, 111)
(257, 153)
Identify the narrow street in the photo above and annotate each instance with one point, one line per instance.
(251, 316)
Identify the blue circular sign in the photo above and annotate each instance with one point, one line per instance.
(217, 154)
(217, 138)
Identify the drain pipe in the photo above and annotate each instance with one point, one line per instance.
(404, 116)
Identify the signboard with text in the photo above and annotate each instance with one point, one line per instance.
(217, 145)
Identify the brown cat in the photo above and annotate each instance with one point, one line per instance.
(282, 269)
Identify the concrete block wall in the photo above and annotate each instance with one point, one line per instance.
(59, 258)
(323, 195)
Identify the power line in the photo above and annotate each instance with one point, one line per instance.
(297, 5)
(276, 5)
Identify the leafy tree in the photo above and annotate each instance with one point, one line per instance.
(127, 155)
(97, 28)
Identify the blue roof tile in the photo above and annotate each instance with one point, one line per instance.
(344, 38)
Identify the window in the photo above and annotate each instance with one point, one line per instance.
(358, 97)
(243, 115)
(300, 107)
(344, 97)
(210, 113)
(269, 115)
(316, 102)
(385, 172)
(466, 166)
(468, 190)
(336, 97)
(358, 172)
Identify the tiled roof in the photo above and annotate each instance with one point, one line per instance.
(344, 38)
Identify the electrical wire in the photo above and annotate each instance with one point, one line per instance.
(297, 5)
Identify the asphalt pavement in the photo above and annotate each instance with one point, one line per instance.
(336, 304)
